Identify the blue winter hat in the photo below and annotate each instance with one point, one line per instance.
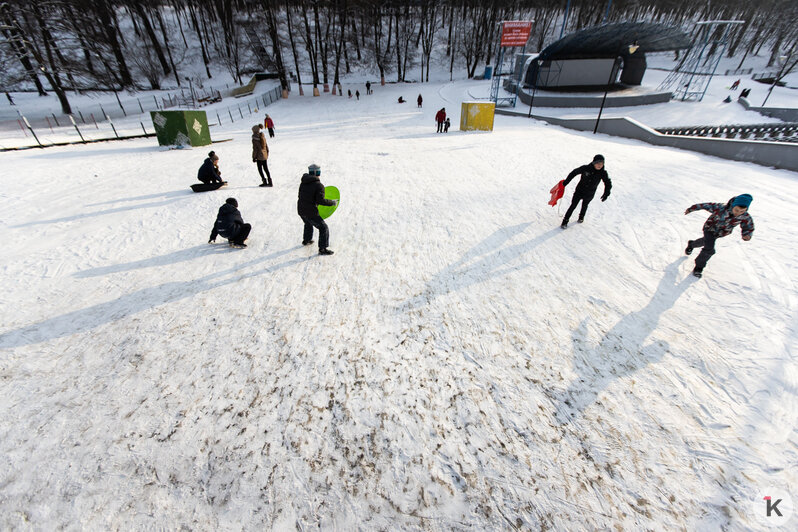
(743, 200)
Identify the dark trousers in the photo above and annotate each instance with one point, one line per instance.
(440, 127)
(261, 167)
(707, 245)
(324, 232)
(271, 132)
(577, 198)
(241, 234)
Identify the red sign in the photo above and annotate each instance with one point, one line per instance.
(515, 33)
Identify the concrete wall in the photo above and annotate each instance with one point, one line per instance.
(782, 113)
(548, 100)
(777, 154)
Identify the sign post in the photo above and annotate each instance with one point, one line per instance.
(515, 33)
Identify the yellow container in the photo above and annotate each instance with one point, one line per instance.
(477, 116)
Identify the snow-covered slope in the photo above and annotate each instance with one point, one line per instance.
(459, 363)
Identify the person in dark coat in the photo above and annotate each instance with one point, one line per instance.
(590, 174)
(260, 153)
(357, 95)
(419, 100)
(209, 171)
(368, 87)
(440, 118)
(447, 125)
(311, 194)
(230, 225)
(724, 218)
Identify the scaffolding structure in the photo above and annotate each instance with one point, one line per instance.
(690, 79)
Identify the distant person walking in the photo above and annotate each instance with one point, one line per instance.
(260, 153)
(10, 99)
(311, 194)
(357, 95)
(722, 221)
(230, 225)
(350, 93)
(368, 87)
(590, 176)
(268, 123)
(440, 118)
(209, 171)
(419, 100)
(446, 125)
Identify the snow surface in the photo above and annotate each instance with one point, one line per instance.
(459, 363)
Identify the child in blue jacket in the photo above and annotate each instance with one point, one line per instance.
(722, 221)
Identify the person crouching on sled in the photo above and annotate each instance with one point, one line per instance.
(721, 222)
(230, 225)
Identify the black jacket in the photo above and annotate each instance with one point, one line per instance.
(589, 182)
(207, 172)
(311, 193)
(228, 222)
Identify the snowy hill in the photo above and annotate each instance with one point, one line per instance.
(459, 363)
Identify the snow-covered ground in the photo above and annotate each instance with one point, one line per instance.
(459, 363)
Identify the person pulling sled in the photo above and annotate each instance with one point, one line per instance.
(591, 174)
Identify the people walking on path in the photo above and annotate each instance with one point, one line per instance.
(230, 225)
(440, 118)
(722, 221)
(268, 123)
(260, 153)
(311, 195)
(357, 94)
(590, 176)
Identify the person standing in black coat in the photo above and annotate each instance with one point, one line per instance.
(311, 194)
(230, 225)
(590, 174)
(209, 171)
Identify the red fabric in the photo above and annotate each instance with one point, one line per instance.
(440, 116)
(268, 123)
(557, 192)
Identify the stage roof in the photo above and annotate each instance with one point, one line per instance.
(611, 40)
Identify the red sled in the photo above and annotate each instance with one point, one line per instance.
(557, 192)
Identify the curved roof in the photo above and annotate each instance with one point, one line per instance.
(610, 40)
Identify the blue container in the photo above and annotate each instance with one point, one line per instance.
(488, 72)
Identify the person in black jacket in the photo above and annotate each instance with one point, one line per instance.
(591, 174)
(311, 194)
(230, 225)
(209, 171)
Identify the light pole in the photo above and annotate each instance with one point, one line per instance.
(632, 48)
(783, 60)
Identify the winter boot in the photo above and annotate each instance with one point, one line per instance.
(581, 220)
(325, 251)
(564, 224)
(697, 273)
(307, 242)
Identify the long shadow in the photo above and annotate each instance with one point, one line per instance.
(84, 154)
(171, 258)
(621, 351)
(140, 198)
(85, 215)
(492, 264)
(88, 318)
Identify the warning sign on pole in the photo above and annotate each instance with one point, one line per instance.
(515, 33)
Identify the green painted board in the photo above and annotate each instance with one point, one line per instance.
(329, 193)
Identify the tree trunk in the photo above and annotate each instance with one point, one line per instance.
(145, 21)
(111, 35)
(293, 49)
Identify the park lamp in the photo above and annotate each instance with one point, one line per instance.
(632, 48)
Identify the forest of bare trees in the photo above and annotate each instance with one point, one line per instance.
(63, 45)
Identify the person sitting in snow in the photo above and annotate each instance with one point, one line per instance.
(230, 225)
(590, 174)
(209, 171)
(721, 222)
(401, 100)
(311, 194)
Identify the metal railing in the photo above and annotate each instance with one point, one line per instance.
(784, 132)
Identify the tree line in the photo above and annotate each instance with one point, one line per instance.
(63, 45)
